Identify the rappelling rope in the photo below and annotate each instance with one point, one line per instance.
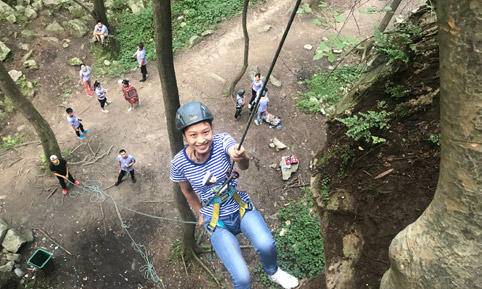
(268, 75)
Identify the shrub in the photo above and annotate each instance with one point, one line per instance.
(360, 126)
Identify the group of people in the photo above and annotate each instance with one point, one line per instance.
(262, 111)
(204, 173)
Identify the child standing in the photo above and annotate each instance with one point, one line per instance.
(101, 92)
(239, 103)
(130, 94)
(263, 107)
(85, 74)
(255, 89)
(126, 164)
(76, 123)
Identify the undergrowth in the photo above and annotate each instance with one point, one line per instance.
(189, 18)
(361, 125)
(10, 141)
(394, 43)
(324, 93)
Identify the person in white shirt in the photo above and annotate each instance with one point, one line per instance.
(100, 32)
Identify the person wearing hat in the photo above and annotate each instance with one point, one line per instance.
(59, 168)
(202, 169)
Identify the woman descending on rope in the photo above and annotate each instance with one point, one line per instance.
(201, 170)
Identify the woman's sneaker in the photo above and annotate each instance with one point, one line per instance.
(284, 279)
(65, 192)
(77, 183)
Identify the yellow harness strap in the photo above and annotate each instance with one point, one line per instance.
(243, 206)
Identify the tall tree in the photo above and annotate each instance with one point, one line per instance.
(100, 12)
(170, 95)
(45, 133)
(246, 49)
(443, 248)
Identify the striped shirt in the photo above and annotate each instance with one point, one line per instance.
(184, 169)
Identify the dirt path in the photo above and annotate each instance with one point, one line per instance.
(103, 257)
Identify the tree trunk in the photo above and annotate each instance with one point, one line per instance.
(246, 50)
(170, 95)
(45, 133)
(443, 248)
(100, 12)
(388, 16)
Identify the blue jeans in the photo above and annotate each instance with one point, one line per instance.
(226, 246)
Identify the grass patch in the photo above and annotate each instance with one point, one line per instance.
(324, 93)
(10, 141)
(189, 18)
(6, 107)
(335, 43)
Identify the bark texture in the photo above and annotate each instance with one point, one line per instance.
(246, 49)
(170, 95)
(100, 12)
(42, 128)
(443, 248)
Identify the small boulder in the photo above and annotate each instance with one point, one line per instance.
(27, 33)
(7, 267)
(4, 51)
(30, 13)
(37, 5)
(75, 61)
(308, 46)
(207, 33)
(107, 62)
(194, 40)
(135, 6)
(274, 81)
(79, 28)
(53, 3)
(265, 28)
(11, 18)
(13, 241)
(20, 9)
(5, 9)
(30, 64)
(277, 144)
(12, 257)
(15, 74)
(3, 229)
(24, 46)
(54, 27)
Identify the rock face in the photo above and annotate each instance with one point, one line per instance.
(79, 28)
(30, 13)
(4, 51)
(53, 3)
(30, 64)
(13, 241)
(135, 6)
(54, 27)
(5, 10)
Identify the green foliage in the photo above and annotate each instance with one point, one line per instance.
(334, 42)
(394, 43)
(115, 68)
(10, 141)
(325, 191)
(324, 93)
(299, 241)
(370, 10)
(6, 107)
(304, 9)
(434, 139)
(175, 252)
(360, 126)
(396, 90)
(189, 18)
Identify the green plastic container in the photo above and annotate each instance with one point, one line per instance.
(40, 258)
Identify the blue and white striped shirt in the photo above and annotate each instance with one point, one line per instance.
(184, 169)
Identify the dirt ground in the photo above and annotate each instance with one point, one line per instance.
(102, 256)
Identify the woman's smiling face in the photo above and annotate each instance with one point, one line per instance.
(199, 137)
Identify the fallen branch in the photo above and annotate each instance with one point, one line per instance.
(206, 268)
(99, 157)
(91, 150)
(379, 176)
(71, 152)
(27, 143)
(53, 240)
(80, 162)
(53, 190)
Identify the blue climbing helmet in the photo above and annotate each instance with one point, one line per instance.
(191, 113)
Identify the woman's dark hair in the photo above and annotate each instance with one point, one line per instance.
(141, 45)
(257, 74)
(69, 110)
(122, 151)
(96, 84)
(125, 82)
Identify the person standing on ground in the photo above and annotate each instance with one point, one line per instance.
(85, 74)
(126, 164)
(130, 94)
(255, 89)
(59, 168)
(201, 169)
(239, 103)
(76, 123)
(101, 95)
(262, 108)
(140, 55)
(100, 32)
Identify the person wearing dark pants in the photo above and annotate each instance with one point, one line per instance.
(101, 95)
(255, 90)
(126, 165)
(76, 124)
(59, 168)
(140, 55)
